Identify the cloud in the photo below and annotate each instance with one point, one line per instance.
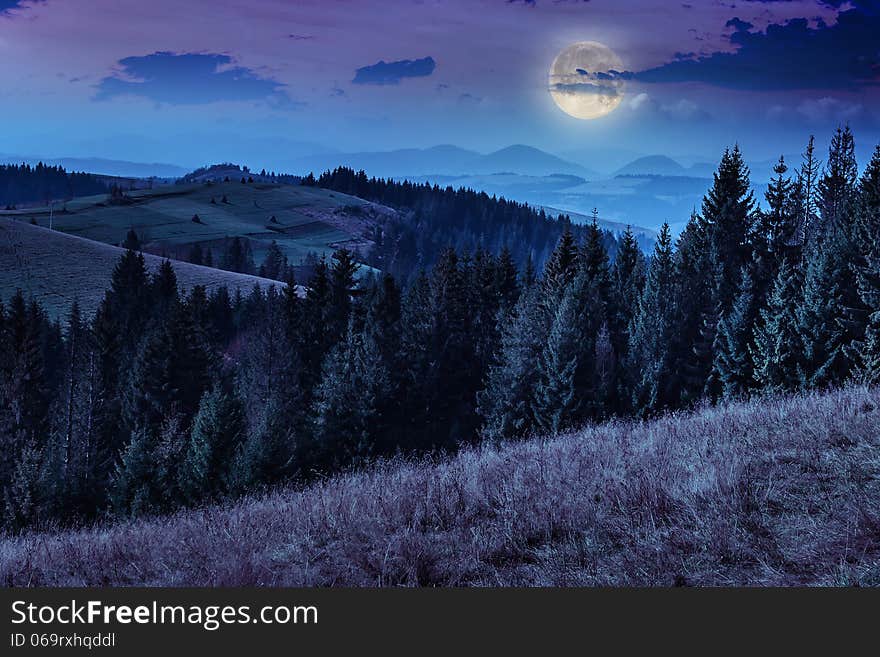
(787, 56)
(823, 110)
(382, 72)
(638, 101)
(682, 109)
(586, 88)
(188, 79)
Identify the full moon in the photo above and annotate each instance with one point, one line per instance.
(585, 80)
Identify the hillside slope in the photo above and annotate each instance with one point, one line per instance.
(302, 220)
(56, 268)
(782, 491)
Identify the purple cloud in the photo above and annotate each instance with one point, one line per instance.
(787, 56)
(188, 79)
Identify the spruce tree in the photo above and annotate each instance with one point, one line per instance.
(777, 348)
(567, 394)
(649, 356)
(808, 181)
(275, 264)
(347, 403)
(864, 352)
(560, 268)
(506, 403)
(733, 366)
(698, 302)
(837, 187)
(134, 490)
(775, 230)
(727, 214)
(217, 433)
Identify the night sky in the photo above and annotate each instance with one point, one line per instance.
(190, 82)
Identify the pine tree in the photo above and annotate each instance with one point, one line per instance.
(628, 281)
(451, 388)
(506, 403)
(837, 187)
(775, 230)
(24, 490)
(567, 394)
(134, 490)
(269, 381)
(196, 254)
(343, 290)
(25, 389)
(649, 358)
(347, 402)
(560, 268)
(827, 310)
(275, 264)
(727, 214)
(777, 350)
(869, 185)
(628, 276)
(269, 453)
(132, 241)
(698, 295)
(808, 179)
(75, 439)
(164, 287)
(169, 374)
(733, 366)
(865, 352)
(507, 284)
(418, 358)
(217, 433)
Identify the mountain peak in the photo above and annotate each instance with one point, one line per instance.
(652, 165)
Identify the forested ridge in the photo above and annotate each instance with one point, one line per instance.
(163, 400)
(41, 183)
(435, 218)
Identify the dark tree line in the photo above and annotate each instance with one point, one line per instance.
(165, 400)
(30, 184)
(434, 218)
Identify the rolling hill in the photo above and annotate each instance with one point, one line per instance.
(171, 219)
(57, 269)
(652, 165)
(778, 491)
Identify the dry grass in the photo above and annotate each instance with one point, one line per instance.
(782, 491)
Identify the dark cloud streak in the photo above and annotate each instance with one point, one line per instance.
(384, 73)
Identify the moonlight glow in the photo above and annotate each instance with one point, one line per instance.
(585, 80)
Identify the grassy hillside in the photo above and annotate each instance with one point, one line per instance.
(307, 219)
(57, 268)
(782, 491)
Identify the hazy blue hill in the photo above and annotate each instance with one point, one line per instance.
(396, 163)
(653, 165)
(528, 161)
(444, 160)
(101, 166)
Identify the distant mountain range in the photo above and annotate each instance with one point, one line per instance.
(445, 161)
(662, 165)
(101, 166)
